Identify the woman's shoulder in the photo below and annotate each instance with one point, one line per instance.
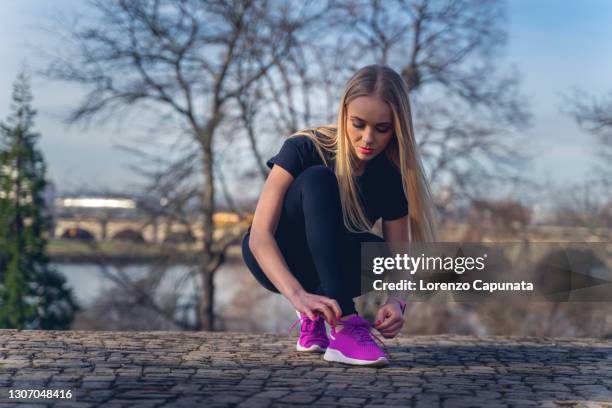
(301, 141)
(307, 137)
(312, 143)
(303, 146)
(297, 153)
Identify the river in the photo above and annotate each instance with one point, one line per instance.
(241, 304)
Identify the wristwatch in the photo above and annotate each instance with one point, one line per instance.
(402, 304)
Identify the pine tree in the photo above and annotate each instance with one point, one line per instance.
(32, 294)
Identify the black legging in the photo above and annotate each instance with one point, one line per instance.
(320, 252)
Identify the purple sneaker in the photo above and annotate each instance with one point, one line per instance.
(313, 337)
(355, 344)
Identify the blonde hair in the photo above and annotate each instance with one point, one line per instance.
(402, 151)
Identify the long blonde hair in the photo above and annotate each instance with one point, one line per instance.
(402, 151)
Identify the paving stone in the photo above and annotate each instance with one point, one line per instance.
(271, 394)
(186, 369)
(300, 398)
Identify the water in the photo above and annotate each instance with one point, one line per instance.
(241, 304)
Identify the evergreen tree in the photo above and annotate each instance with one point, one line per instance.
(32, 295)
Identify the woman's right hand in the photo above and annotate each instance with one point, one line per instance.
(312, 305)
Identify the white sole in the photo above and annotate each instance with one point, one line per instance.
(337, 356)
(315, 348)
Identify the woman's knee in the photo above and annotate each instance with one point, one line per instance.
(318, 177)
(318, 184)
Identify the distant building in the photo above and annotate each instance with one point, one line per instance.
(136, 218)
(96, 206)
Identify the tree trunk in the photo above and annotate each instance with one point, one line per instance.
(206, 311)
(205, 308)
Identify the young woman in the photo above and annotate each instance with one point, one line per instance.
(326, 188)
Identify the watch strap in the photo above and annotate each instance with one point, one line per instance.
(402, 304)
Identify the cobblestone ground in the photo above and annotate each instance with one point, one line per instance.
(172, 369)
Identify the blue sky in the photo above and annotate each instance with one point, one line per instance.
(556, 45)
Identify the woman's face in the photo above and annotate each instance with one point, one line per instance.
(369, 127)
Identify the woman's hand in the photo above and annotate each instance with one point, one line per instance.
(312, 305)
(389, 320)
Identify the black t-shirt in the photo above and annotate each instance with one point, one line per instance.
(381, 191)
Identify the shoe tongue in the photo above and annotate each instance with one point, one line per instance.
(357, 323)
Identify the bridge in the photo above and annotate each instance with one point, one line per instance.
(151, 230)
(106, 217)
(160, 229)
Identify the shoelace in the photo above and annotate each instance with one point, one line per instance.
(361, 329)
(307, 324)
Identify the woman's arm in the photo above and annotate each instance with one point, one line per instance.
(395, 233)
(265, 221)
(269, 257)
(389, 318)
(396, 230)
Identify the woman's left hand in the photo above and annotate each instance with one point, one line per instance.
(389, 320)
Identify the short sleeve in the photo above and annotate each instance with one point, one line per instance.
(296, 154)
(395, 204)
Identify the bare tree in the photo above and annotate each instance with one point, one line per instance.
(464, 107)
(590, 204)
(595, 116)
(189, 59)
(229, 72)
(497, 220)
(584, 211)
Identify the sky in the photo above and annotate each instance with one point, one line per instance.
(559, 45)
(555, 45)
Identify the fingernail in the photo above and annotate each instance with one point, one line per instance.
(377, 322)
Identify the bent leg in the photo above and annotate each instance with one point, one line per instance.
(320, 252)
(299, 261)
(314, 197)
